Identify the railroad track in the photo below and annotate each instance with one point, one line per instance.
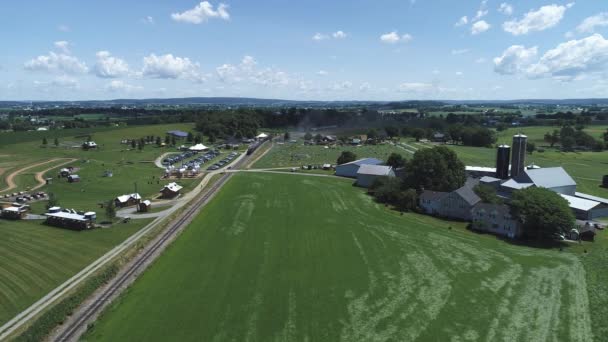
(72, 331)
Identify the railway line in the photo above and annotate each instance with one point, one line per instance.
(78, 324)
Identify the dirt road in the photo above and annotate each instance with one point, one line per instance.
(10, 179)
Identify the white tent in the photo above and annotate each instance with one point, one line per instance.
(199, 147)
(262, 136)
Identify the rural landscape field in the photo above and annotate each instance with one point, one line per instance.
(337, 266)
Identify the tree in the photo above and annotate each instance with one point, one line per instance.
(568, 143)
(392, 131)
(531, 147)
(395, 160)
(286, 136)
(437, 169)
(407, 200)
(542, 212)
(606, 136)
(372, 134)
(167, 140)
(44, 142)
(318, 137)
(307, 136)
(56, 142)
(552, 138)
(418, 133)
(346, 157)
(173, 141)
(190, 137)
(140, 146)
(487, 194)
(111, 210)
(198, 139)
(53, 200)
(386, 189)
(133, 144)
(158, 141)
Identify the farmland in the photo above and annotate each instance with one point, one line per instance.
(335, 266)
(36, 258)
(297, 154)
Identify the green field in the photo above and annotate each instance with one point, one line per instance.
(297, 154)
(34, 258)
(296, 258)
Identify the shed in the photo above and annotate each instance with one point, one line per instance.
(73, 178)
(367, 174)
(144, 206)
(585, 208)
(171, 190)
(89, 144)
(350, 169)
(127, 200)
(64, 172)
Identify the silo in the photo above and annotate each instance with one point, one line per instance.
(518, 157)
(502, 161)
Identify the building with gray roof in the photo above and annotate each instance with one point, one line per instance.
(367, 174)
(350, 169)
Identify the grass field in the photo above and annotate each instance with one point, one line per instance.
(299, 154)
(34, 258)
(296, 258)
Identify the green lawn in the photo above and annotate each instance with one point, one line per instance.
(298, 154)
(295, 258)
(34, 258)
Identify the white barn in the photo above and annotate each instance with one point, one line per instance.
(350, 169)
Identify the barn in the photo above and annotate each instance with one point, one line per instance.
(73, 178)
(144, 206)
(171, 190)
(127, 200)
(367, 174)
(587, 207)
(350, 169)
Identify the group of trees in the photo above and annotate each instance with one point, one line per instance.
(542, 212)
(570, 138)
(45, 142)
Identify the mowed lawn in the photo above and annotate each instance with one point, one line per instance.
(298, 154)
(34, 258)
(300, 258)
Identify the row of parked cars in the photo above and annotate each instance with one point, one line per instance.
(196, 163)
(22, 197)
(230, 157)
(173, 159)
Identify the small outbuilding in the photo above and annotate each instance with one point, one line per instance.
(64, 172)
(144, 206)
(89, 145)
(15, 212)
(73, 178)
(127, 200)
(367, 174)
(171, 190)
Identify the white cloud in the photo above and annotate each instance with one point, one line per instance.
(148, 20)
(480, 27)
(462, 21)
(171, 67)
(248, 71)
(202, 13)
(63, 28)
(436, 72)
(394, 38)
(591, 23)
(319, 37)
(59, 82)
(514, 60)
(120, 86)
(339, 35)
(63, 46)
(505, 8)
(537, 20)
(108, 66)
(460, 51)
(482, 11)
(573, 59)
(341, 86)
(459, 73)
(57, 62)
(322, 73)
(415, 87)
(365, 86)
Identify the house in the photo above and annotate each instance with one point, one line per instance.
(170, 190)
(73, 178)
(178, 134)
(127, 200)
(64, 172)
(350, 169)
(586, 232)
(15, 212)
(70, 219)
(455, 205)
(328, 139)
(496, 219)
(438, 137)
(355, 141)
(89, 145)
(144, 206)
(367, 174)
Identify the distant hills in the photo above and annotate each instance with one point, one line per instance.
(257, 102)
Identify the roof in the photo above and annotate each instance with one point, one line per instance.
(592, 198)
(513, 184)
(262, 136)
(488, 179)
(199, 147)
(580, 203)
(69, 216)
(500, 209)
(125, 198)
(550, 177)
(73, 176)
(467, 193)
(365, 161)
(178, 133)
(374, 170)
(480, 169)
(174, 187)
(146, 202)
(433, 195)
(520, 136)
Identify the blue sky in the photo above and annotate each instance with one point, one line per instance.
(320, 50)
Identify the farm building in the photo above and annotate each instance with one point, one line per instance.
(553, 178)
(178, 134)
(587, 207)
(144, 206)
(171, 190)
(456, 204)
(127, 200)
(199, 148)
(367, 174)
(350, 169)
(438, 137)
(262, 136)
(73, 178)
(495, 219)
(15, 212)
(64, 172)
(70, 219)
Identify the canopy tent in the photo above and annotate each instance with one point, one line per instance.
(262, 136)
(199, 147)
